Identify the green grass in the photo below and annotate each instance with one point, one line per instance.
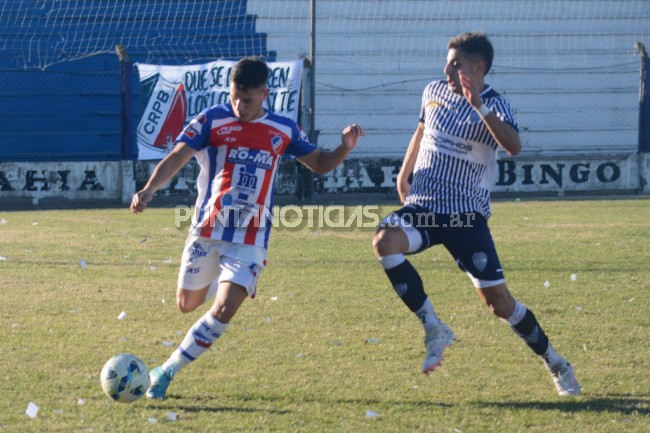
(302, 363)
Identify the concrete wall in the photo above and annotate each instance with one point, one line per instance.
(567, 66)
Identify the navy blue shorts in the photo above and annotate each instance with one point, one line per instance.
(466, 236)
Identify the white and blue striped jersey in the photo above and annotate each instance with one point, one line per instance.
(457, 160)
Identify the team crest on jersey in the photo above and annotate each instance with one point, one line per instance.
(276, 143)
(480, 261)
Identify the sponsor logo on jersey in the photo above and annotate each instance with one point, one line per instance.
(229, 129)
(196, 251)
(252, 157)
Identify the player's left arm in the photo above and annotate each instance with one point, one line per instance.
(322, 161)
(505, 135)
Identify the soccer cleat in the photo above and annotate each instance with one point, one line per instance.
(159, 383)
(565, 379)
(435, 345)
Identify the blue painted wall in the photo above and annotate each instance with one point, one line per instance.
(71, 110)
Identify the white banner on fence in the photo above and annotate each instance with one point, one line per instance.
(173, 95)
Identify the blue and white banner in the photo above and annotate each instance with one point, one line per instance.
(172, 95)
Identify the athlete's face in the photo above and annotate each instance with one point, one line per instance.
(248, 104)
(457, 60)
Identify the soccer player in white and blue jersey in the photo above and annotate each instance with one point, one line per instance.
(238, 146)
(452, 160)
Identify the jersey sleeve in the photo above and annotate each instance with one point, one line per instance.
(503, 110)
(300, 144)
(197, 132)
(424, 103)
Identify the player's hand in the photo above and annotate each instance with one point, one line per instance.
(403, 188)
(350, 136)
(140, 201)
(471, 89)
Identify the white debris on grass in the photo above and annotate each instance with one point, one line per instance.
(153, 420)
(83, 264)
(32, 410)
(3, 221)
(167, 343)
(373, 340)
(172, 416)
(579, 308)
(574, 277)
(122, 315)
(547, 284)
(371, 414)
(81, 402)
(2, 258)
(275, 298)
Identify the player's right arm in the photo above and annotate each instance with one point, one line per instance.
(403, 186)
(163, 172)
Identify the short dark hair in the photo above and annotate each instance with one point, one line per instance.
(249, 72)
(474, 43)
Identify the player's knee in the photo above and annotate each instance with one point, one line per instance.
(501, 306)
(386, 241)
(185, 307)
(186, 304)
(499, 300)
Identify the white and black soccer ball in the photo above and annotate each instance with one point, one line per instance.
(125, 378)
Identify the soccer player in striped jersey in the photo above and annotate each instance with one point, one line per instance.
(238, 146)
(452, 160)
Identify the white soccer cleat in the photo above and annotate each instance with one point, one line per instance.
(565, 379)
(435, 345)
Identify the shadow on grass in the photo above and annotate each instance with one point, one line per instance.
(208, 405)
(204, 404)
(621, 403)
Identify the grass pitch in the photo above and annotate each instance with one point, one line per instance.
(326, 346)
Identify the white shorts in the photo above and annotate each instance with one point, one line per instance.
(205, 259)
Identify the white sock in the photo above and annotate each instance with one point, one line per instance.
(391, 261)
(552, 359)
(197, 341)
(517, 315)
(428, 317)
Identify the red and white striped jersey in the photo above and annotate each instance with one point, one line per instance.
(239, 163)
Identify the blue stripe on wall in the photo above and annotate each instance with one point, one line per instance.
(72, 110)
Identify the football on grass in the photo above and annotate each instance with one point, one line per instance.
(125, 378)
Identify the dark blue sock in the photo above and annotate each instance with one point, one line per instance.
(407, 283)
(530, 331)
